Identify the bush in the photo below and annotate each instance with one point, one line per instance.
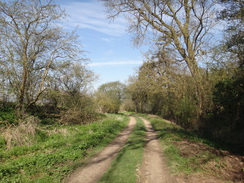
(186, 113)
(77, 116)
(225, 122)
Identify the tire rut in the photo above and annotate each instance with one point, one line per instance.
(153, 168)
(97, 166)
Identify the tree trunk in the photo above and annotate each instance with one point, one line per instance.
(195, 72)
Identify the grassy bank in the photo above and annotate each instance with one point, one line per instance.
(128, 160)
(196, 159)
(178, 146)
(56, 150)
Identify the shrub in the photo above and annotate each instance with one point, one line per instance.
(77, 116)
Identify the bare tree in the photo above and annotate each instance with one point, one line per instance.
(74, 79)
(179, 24)
(73, 82)
(33, 47)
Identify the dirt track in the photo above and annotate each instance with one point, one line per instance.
(152, 170)
(98, 165)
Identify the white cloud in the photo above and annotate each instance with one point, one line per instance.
(131, 62)
(109, 52)
(92, 15)
(107, 40)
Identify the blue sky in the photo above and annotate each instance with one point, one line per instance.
(108, 44)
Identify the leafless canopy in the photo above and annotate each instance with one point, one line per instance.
(180, 23)
(33, 46)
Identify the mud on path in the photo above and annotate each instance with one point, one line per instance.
(153, 168)
(98, 165)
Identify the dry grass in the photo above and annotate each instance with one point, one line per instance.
(62, 131)
(22, 134)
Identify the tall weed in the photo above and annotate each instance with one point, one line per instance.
(22, 134)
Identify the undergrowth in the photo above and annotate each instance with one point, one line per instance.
(124, 167)
(56, 151)
(7, 114)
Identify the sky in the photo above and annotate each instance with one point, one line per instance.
(107, 43)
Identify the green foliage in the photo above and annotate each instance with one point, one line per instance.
(115, 90)
(225, 122)
(56, 151)
(128, 105)
(2, 142)
(7, 117)
(106, 104)
(137, 92)
(109, 97)
(234, 13)
(228, 94)
(124, 167)
(7, 113)
(164, 89)
(160, 89)
(185, 113)
(7, 106)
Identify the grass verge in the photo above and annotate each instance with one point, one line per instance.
(128, 160)
(57, 150)
(185, 151)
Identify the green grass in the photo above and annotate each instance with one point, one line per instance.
(54, 155)
(170, 135)
(180, 163)
(136, 114)
(124, 167)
